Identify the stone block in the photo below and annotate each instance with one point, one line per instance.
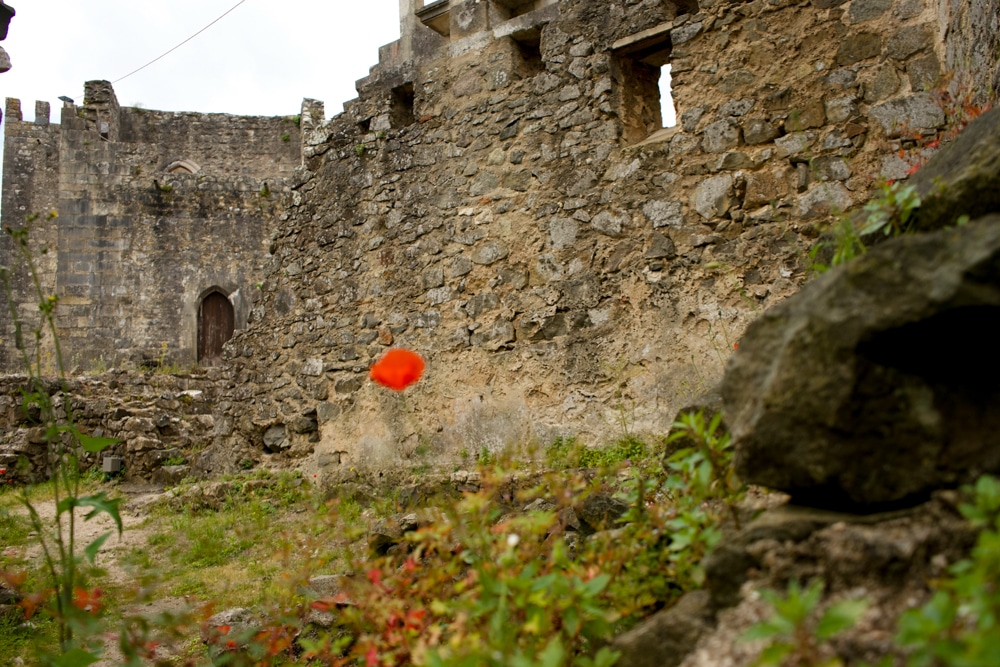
(690, 118)
(562, 233)
(713, 196)
(908, 40)
(885, 83)
(663, 213)
(795, 145)
(913, 112)
(824, 199)
(855, 343)
(857, 47)
(841, 109)
(721, 136)
(867, 10)
(763, 187)
(737, 107)
(660, 247)
(610, 223)
(924, 72)
(758, 131)
(830, 168)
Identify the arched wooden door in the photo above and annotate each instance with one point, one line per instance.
(216, 323)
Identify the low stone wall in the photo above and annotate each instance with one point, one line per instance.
(161, 421)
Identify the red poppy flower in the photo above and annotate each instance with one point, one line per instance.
(89, 601)
(398, 369)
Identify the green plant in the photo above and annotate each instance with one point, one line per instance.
(704, 461)
(165, 187)
(265, 191)
(73, 607)
(846, 245)
(891, 212)
(794, 634)
(360, 150)
(286, 137)
(99, 366)
(960, 624)
(568, 452)
(486, 457)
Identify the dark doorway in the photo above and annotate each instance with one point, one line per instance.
(215, 326)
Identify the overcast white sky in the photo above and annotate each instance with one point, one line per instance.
(261, 59)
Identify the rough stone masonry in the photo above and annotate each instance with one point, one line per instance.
(502, 197)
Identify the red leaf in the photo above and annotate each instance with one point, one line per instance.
(398, 369)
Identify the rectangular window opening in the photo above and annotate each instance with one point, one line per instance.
(401, 110)
(529, 57)
(642, 68)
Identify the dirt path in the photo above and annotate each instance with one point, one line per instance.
(133, 512)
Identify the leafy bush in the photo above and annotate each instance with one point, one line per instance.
(960, 625)
(795, 635)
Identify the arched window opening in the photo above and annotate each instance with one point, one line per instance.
(216, 323)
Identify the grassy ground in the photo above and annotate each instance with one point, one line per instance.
(268, 533)
(258, 545)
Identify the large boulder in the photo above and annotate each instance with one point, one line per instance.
(879, 381)
(963, 178)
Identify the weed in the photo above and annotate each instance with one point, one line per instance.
(99, 366)
(795, 636)
(846, 245)
(958, 626)
(485, 457)
(360, 150)
(73, 607)
(890, 212)
(285, 137)
(265, 191)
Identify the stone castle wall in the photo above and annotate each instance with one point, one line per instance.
(155, 209)
(502, 199)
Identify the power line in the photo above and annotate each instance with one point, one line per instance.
(181, 44)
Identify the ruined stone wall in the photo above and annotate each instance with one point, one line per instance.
(502, 198)
(566, 266)
(158, 419)
(156, 209)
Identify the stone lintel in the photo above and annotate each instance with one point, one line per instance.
(642, 45)
(436, 16)
(527, 27)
